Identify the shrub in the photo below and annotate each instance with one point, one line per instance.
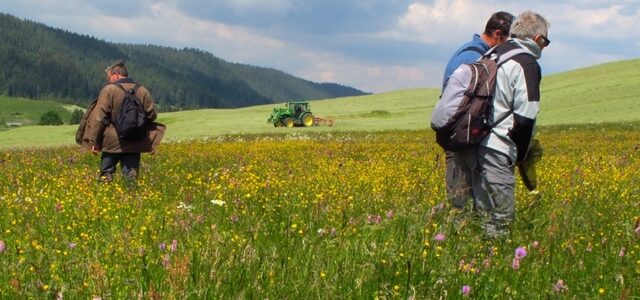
(76, 116)
(50, 118)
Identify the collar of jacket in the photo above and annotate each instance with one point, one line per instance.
(124, 80)
(528, 44)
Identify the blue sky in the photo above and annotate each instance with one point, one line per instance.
(373, 45)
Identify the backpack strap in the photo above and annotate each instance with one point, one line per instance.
(474, 49)
(501, 60)
(134, 89)
(509, 55)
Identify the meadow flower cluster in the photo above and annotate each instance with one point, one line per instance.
(351, 215)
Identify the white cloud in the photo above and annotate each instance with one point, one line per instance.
(364, 75)
(440, 21)
(614, 21)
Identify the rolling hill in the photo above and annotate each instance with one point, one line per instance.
(598, 94)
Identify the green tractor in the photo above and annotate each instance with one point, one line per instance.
(293, 114)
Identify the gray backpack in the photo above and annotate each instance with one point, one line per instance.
(461, 116)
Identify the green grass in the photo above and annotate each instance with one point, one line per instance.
(603, 93)
(317, 216)
(28, 112)
(599, 94)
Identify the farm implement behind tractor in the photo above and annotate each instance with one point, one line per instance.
(295, 114)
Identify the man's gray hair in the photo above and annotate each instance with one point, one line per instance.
(118, 68)
(529, 24)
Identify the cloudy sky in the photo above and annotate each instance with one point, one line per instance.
(373, 45)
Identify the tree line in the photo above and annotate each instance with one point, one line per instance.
(41, 62)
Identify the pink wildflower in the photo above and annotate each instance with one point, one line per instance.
(535, 244)
(516, 263)
(466, 290)
(72, 245)
(560, 287)
(521, 252)
(486, 263)
(165, 261)
(374, 219)
(3, 246)
(622, 250)
(389, 214)
(234, 219)
(637, 231)
(439, 237)
(174, 245)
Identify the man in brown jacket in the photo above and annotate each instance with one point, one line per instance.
(98, 133)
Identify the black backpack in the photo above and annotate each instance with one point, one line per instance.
(461, 117)
(131, 120)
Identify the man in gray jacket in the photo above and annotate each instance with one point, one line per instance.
(491, 164)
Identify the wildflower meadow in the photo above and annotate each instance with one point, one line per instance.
(318, 216)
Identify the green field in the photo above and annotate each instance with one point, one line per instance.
(28, 112)
(318, 216)
(600, 94)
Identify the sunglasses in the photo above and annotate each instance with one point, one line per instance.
(545, 40)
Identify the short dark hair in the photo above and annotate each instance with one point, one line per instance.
(118, 68)
(499, 21)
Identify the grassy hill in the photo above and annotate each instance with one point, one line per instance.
(28, 112)
(603, 93)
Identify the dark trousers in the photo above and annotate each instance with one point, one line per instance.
(129, 164)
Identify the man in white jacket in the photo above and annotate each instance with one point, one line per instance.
(491, 164)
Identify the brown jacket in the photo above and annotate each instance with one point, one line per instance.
(96, 126)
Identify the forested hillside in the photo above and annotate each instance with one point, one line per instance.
(40, 62)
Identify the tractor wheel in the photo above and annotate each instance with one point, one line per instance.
(288, 122)
(307, 120)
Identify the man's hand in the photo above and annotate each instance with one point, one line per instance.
(95, 150)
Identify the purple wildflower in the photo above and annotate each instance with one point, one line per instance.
(439, 237)
(466, 290)
(3, 246)
(162, 246)
(521, 252)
